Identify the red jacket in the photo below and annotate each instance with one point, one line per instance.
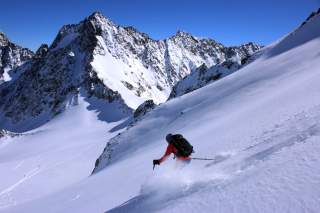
(172, 149)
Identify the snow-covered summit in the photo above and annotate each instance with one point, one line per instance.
(11, 56)
(144, 68)
(106, 61)
(3, 39)
(311, 16)
(42, 51)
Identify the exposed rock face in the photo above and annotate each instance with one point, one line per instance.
(42, 51)
(54, 76)
(101, 59)
(11, 56)
(144, 108)
(5, 133)
(150, 68)
(203, 75)
(311, 16)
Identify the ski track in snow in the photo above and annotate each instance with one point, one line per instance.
(18, 165)
(6, 199)
(293, 131)
(27, 176)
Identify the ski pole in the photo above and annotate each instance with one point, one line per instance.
(203, 159)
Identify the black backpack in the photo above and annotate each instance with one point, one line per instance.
(182, 145)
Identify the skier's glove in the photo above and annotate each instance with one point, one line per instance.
(156, 162)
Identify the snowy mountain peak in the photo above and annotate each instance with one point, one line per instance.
(64, 36)
(108, 62)
(42, 51)
(98, 16)
(3, 39)
(99, 20)
(187, 38)
(135, 32)
(11, 56)
(183, 34)
(251, 46)
(312, 16)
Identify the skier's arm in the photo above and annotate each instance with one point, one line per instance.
(168, 152)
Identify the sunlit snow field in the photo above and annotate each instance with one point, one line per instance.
(260, 124)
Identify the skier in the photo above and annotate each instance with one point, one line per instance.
(179, 146)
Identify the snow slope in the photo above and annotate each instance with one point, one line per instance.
(63, 152)
(260, 124)
(118, 72)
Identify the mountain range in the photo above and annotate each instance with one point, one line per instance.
(101, 59)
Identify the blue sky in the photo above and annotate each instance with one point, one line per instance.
(231, 22)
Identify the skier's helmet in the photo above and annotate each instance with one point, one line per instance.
(169, 138)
